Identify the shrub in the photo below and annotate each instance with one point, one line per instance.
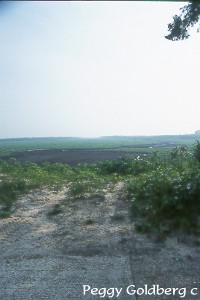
(166, 201)
(197, 151)
(79, 189)
(9, 192)
(128, 166)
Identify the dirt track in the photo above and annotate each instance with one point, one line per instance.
(52, 257)
(71, 156)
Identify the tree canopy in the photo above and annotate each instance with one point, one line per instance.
(180, 26)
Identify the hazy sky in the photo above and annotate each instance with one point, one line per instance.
(96, 68)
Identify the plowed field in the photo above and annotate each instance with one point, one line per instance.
(71, 156)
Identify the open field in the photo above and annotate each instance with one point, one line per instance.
(20, 144)
(80, 149)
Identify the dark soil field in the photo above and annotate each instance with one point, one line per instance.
(71, 157)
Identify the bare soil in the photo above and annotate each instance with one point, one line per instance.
(89, 230)
(69, 156)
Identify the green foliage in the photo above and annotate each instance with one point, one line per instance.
(179, 153)
(79, 189)
(179, 28)
(127, 165)
(166, 200)
(197, 151)
(18, 178)
(86, 183)
(36, 175)
(89, 221)
(9, 192)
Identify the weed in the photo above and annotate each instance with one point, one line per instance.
(89, 221)
(166, 201)
(9, 192)
(197, 151)
(5, 213)
(117, 218)
(79, 189)
(55, 211)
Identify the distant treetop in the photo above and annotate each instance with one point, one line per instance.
(190, 15)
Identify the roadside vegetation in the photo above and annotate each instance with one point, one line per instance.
(162, 188)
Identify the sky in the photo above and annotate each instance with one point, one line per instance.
(89, 69)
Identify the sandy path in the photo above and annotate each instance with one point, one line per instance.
(92, 242)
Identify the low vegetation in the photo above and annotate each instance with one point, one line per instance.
(163, 189)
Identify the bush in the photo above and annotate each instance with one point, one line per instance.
(197, 151)
(166, 201)
(9, 192)
(128, 166)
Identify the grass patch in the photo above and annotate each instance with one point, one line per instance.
(9, 193)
